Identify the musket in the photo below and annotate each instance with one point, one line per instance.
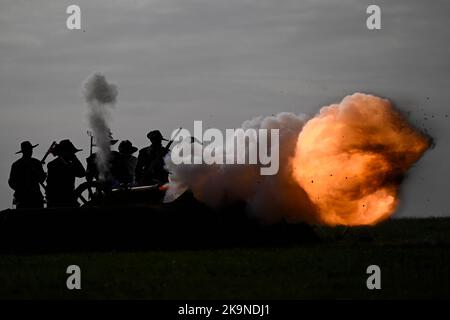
(167, 147)
(50, 150)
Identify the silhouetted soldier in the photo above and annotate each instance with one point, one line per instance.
(128, 163)
(61, 176)
(150, 165)
(25, 177)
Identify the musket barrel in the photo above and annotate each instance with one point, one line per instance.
(48, 152)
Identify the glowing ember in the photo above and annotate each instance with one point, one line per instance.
(351, 157)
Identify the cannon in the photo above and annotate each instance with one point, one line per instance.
(97, 193)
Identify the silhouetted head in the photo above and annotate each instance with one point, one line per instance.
(26, 149)
(126, 147)
(66, 148)
(155, 137)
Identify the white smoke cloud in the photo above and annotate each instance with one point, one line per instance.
(271, 196)
(346, 160)
(100, 97)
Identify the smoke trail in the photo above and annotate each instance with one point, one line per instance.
(100, 97)
(344, 166)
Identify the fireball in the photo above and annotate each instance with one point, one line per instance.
(350, 159)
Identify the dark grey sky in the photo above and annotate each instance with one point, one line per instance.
(223, 62)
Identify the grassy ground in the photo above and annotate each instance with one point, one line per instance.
(413, 255)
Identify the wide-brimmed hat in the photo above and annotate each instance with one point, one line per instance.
(127, 147)
(66, 146)
(26, 145)
(155, 134)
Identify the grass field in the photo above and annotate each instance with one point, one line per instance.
(413, 255)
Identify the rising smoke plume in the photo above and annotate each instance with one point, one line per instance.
(100, 97)
(344, 166)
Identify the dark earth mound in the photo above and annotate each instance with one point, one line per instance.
(183, 224)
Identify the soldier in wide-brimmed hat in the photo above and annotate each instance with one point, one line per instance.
(155, 136)
(128, 163)
(62, 173)
(150, 166)
(25, 176)
(26, 147)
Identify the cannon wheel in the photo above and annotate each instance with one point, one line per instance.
(89, 190)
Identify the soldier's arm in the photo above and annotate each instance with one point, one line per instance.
(78, 168)
(12, 178)
(41, 173)
(50, 174)
(139, 165)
